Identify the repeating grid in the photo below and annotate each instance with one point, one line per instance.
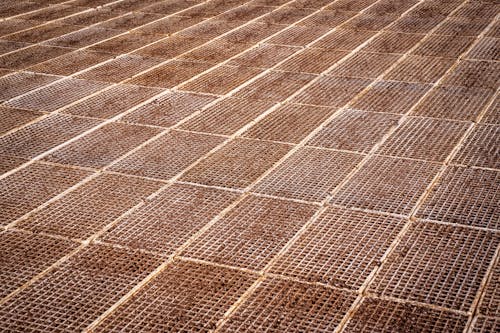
(115, 60)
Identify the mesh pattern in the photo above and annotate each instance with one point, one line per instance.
(216, 52)
(465, 196)
(186, 297)
(252, 33)
(312, 60)
(30, 56)
(168, 155)
(221, 80)
(367, 65)
(125, 43)
(481, 148)
(316, 4)
(341, 248)
(168, 109)
(415, 24)
(71, 63)
(244, 13)
(95, 15)
(354, 130)
(25, 255)
(490, 304)
(369, 21)
(391, 7)
(170, 25)
(485, 10)
(129, 21)
(327, 18)
(485, 325)
(486, 49)
(111, 102)
(264, 56)
(286, 15)
(238, 164)
(20, 83)
(344, 39)
(453, 103)
(7, 46)
(42, 33)
(102, 146)
(350, 5)
(56, 95)
(43, 135)
(437, 264)
(227, 116)
(14, 25)
(169, 219)
(309, 174)
(8, 163)
(290, 123)
(274, 86)
(170, 47)
(424, 138)
(170, 74)
(375, 315)
(420, 69)
(331, 91)
(15, 8)
(387, 185)
(28, 188)
(461, 26)
(298, 35)
(72, 297)
(255, 225)
(83, 37)
(477, 74)
(444, 46)
(210, 28)
(168, 7)
(285, 306)
(91, 207)
(12, 118)
(492, 115)
(393, 42)
(120, 68)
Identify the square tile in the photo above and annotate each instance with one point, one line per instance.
(370, 21)
(8, 163)
(485, 49)
(387, 184)
(298, 35)
(342, 248)
(168, 109)
(244, 13)
(274, 86)
(486, 324)
(42, 33)
(82, 38)
(210, 28)
(129, 21)
(289, 123)
(286, 15)
(465, 196)
(392, 42)
(168, 155)
(492, 114)
(90, 207)
(443, 46)
(327, 18)
(170, 219)
(30, 56)
(170, 47)
(252, 33)
(366, 65)
(227, 116)
(420, 69)
(264, 56)
(70, 63)
(391, 7)
(238, 164)
(415, 24)
(460, 26)
(168, 7)
(184, 297)
(309, 174)
(215, 52)
(20, 83)
(424, 138)
(331, 91)
(14, 25)
(96, 14)
(316, 4)
(79, 291)
(29, 187)
(125, 43)
(437, 264)
(102, 146)
(169, 25)
(285, 306)
(481, 148)
(13, 118)
(474, 74)
(490, 302)
(313, 61)
(352, 5)
(344, 39)
(7, 46)
(254, 225)
(354, 130)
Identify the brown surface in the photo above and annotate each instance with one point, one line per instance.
(12, 118)
(419, 69)
(20, 83)
(481, 148)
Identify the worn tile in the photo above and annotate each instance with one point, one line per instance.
(365, 65)
(392, 42)
(264, 56)
(14, 118)
(481, 147)
(298, 35)
(216, 51)
(70, 63)
(30, 56)
(420, 69)
(20, 83)
(474, 74)
(312, 60)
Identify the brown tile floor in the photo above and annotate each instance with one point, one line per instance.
(249, 166)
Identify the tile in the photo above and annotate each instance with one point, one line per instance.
(313, 61)
(102, 146)
(415, 24)
(444, 46)
(170, 47)
(216, 51)
(485, 49)
(73, 296)
(254, 225)
(298, 35)
(316, 4)
(125, 43)
(481, 148)
(43, 135)
(168, 7)
(28, 188)
(210, 28)
(491, 298)
(331, 91)
(111, 102)
(168, 109)
(285, 306)
(354, 130)
(8, 163)
(170, 74)
(30, 56)
(168, 155)
(20, 83)
(376, 315)
(96, 14)
(289, 123)
(342, 248)
(453, 102)
(420, 69)
(391, 7)
(370, 21)
(387, 184)
(274, 86)
(492, 116)
(238, 164)
(309, 174)
(7, 46)
(42, 33)
(227, 116)
(427, 265)
(460, 26)
(169, 25)
(129, 21)
(221, 80)
(56, 95)
(14, 25)
(464, 196)
(170, 219)
(485, 325)
(286, 15)
(327, 18)
(343, 39)
(84, 37)
(392, 42)
(424, 138)
(70, 63)
(264, 56)
(474, 74)
(13, 118)
(183, 297)
(351, 5)
(244, 13)
(252, 33)
(365, 65)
